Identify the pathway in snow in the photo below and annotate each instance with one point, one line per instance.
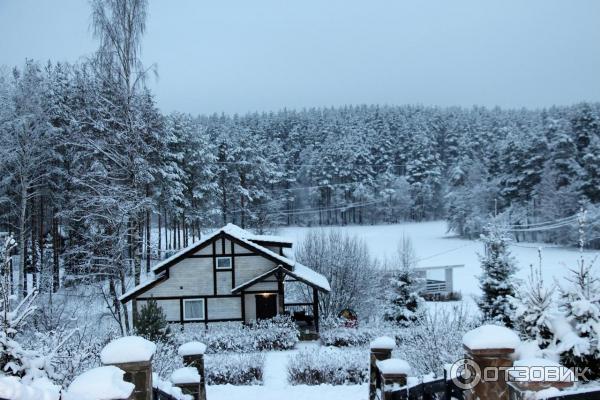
(276, 387)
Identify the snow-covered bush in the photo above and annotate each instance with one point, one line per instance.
(234, 368)
(279, 333)
(335, 333)
(435, 340)
(330, 366)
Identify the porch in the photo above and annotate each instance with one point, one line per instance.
(270, 303)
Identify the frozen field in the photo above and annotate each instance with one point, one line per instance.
(435, 247)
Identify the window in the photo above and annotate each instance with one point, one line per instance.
(223, 262)
(193, 310)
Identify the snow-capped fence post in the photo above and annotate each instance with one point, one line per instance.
(100, 383)
(535, 375)
(392, 376)
(381, 349)
(193, 356)
(188, 380)
(488, 350)
(133, 355)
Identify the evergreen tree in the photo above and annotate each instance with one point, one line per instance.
(534, 308)
(404, 304)
(151, 322)
(497, 280)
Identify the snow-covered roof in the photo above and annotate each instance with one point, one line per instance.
(249, 239)
(127, 349)
(238, 232)
(99, 384)
(491, 337)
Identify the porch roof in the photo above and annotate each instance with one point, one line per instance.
(300, 273)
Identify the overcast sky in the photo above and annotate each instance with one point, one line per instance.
(259, 55)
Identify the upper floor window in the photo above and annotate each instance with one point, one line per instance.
(223, 262)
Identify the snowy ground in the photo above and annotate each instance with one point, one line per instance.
(276, 387)
(435, 247)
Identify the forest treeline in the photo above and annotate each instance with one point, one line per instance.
(82, 175)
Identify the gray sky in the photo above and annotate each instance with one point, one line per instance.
(239, 55)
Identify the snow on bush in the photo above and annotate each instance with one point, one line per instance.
(435, 340)
(234, 368)
(279, 333)
(335, 333)
(328, 365)
(11, 388)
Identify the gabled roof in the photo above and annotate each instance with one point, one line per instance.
(244, 239)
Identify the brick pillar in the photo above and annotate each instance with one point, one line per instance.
(381, 349)
(140, 374)
(490, 388)
(392, 376)
(188, 380)
(133, 355)
(193, 356)
(488, 353)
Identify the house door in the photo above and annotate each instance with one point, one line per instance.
(266, 306)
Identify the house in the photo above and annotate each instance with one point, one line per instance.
(230, 275)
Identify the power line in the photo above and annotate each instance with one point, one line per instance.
(536, 224)
(307, 165)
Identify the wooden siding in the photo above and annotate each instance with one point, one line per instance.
(224, 308)
(240, 250)
(169, 307)
(189, 277)
(249, 267)
(224, 284)
(266, 286)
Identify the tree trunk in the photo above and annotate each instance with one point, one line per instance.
(55, 250)
(21, 288)
(148, 250)
(159, 235)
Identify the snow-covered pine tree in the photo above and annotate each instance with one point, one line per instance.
(534, 307)
(580, 302)
(404, 304)
(497, 280)
(151, 322)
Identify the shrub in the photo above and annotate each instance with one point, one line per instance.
(234, 369)
(279, 333)
(329, 366)
(435, 340)
(335, 333)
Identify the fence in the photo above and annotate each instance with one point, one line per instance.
(390, 378)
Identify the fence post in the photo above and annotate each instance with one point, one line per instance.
(188, 380)
(381, 349)
(393, 373)
(488, 350)
(534, 375)
(193, 356)
(132, 354)
(101, 382)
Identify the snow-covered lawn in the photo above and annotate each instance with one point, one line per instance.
(275, 384)
(436, 247)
